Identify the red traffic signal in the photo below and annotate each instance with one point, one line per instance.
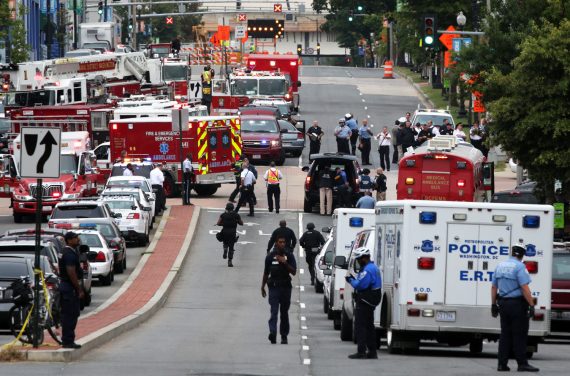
(169, 21)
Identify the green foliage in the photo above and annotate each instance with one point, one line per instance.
(14, 29)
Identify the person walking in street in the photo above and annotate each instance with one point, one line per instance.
(342, 186)
(365, 142)
(70, 289)
(384, 140)
(283, 230)
(229, 220)
(188, 171)
(352, 124)
(272, 177)
(368, 288)
(279, 265)
(511, 298)
(326, 184)
(237, 168)
(395, 142)
(157, 182)
(342, 134)
(129, 171)
(380, 185)
(366, 201)
(315, 133)
(311, 241)
(246, 189)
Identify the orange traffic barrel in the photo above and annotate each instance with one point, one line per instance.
(388, 69)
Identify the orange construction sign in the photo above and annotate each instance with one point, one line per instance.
(223, 32)
(447, 39)
(478, 105)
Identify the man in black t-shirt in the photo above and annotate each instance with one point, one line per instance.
(279, 264)
(70, 290)
(229, 222)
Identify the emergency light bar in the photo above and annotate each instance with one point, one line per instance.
(356, 222)
(428, 218)
(531, 221)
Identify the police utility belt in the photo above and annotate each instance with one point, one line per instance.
(371, 297)
(279, 283)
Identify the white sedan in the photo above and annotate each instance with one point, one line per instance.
(323, 262)
(134, 182)
(135, 218)
(102, 263)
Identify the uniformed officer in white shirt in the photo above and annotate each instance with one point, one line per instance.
(129, 170)
(157, 181)
(246, 195)
(188, 171)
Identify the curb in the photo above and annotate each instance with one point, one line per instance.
(423, 98)
(104, 335)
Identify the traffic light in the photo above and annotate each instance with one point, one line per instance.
(299, 49)
(100, 8)
(130, 25)
(429, 31)
(360, 8)
(238, 4)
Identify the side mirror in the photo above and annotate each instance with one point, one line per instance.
(117, 215)
(91, 256)
(299, 83)
(326, 229)
(340, 262)
(151, 199)
(323, 267)
(305, 168)
(133, 207)
(147, 208)
(327, 272)
(83, 248)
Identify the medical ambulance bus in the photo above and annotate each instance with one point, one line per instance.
(437, 261)
(443, 169)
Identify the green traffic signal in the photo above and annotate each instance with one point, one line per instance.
(350, 18)
(360, 8)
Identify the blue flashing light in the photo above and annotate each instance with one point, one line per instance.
(428, 218)
(531, 221)
(87, 225)
(263, 142)
(356, 222)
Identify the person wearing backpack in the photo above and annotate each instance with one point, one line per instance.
(229, 222)
(380, 185)
(366, 184)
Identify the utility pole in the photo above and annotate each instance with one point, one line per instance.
(48, 29)
(74, 24)
(105, 12)
(134, 30)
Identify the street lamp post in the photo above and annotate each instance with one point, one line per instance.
(461, 21)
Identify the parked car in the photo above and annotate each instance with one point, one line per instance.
(11, 269)
(79, 209)
(261, 136)
(102, 264)
(522, 194)
(561, 289)
(348, 163)
(135, 220)
(323, 262)
(293, 139)
(135, 182)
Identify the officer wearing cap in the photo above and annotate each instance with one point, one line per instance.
(70, 289)
(342, 134)
(512, 299)
(311, 241)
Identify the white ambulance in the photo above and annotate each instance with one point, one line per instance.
(347, 223)
(437, 262)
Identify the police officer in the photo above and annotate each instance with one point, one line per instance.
(237, 167)
(278, 265)
(315, 133)
(157, 181)
(188, 171)
(368, 288)
(311, 241)
(229, 222)
(283, 230)
(342, 134)
(246, 189)
(129, 171)
(70, 289)
(272, 177)
(512, 299)
(353, 126)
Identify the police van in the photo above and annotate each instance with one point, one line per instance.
(437, 262)
(347, 223)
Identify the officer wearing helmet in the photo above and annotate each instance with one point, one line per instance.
(368, 288)
(512, 299)
(352, 124)
(311, 241)
(342, 134)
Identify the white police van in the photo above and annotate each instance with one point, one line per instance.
(437, 262)
(347, 223)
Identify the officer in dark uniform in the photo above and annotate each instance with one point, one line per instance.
(283, 230)
(71, 292)
(278, 265)
(512, 299)
(207, 87)
(315, 133)
(311, 241)
(237, 166)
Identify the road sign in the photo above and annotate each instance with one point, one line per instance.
(169, 21)
(277, 8)
(40, 152)
(458, 43)
(242, 17)
(447, 39)
(240, 31)
(195, 90)
(478, 105)
(180, 118)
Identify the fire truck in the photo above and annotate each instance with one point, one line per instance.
(174, 72)
(213, 141)
(444, 169)
(78, 177)
(287, 64)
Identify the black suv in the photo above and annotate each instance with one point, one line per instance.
(346, 162)
(522, 194)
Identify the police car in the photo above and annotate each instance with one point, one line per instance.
(102, 261)
(423, 115)
(135, 182)
(323, 263)
(135, 218)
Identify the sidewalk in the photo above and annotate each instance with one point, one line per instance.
(141, 295)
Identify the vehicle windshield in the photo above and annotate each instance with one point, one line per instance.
(78, 53)
(28, 98)
(9, 269)
(160, 51)
(77, 211)
(436, 119)
(175, 73)
(92, 240)
(68, 164)
(120, 205)
(244, 86)
(139, 170)
(561, 267)
(260, 126)
(286, 125)
(272, 86)
(106, 230)
(99, 46)
(283, 108)
(129, 184)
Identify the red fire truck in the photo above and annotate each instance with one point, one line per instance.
(287, 64)
(174, 72)
(213, 141)
(443, 170)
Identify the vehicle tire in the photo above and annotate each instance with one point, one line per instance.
(53, 322)
(330, 312)
(205, 190)
(125, 261)
(17, 316)
(169, 186)
(336, 322)
(297, 154)
(391, 337)
(318, 287)
(143, 241)
(119, 267)
(307, 206)
(325, 305)
(18, 218)
(476, 346)
(108, 279)
(345, 327)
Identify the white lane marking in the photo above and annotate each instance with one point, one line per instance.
(363, 100)
(261, 233)
(304, 327)
(304, 337)
(303, 318)
(301, 251)
(365, 107)
(302, 305)
(301, 161)
(302, 288)
(302, 271)
(307, 362)
(359, 93)
(305, 348)
(368, 116)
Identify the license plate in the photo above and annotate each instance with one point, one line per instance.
(47, 207)
(561, 315)
(448, 316)
(257, 156)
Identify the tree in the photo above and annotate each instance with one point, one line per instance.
(13, 32)
(530, 119)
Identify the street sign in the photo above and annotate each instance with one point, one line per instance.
(478, 105)
(169, 21)
(447, 39)
(180, 118)
(458, 43)
(277, 8)
(240, 31)
(242, 17)
(40, 152)
(558, 215)
(195, 90)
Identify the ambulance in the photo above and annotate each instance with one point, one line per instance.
(437, 261)
(347, 222)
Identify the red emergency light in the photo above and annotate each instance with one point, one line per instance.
(426, 263)
(531, 266)
(461, 183)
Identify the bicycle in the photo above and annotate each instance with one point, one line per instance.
(22, 316)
